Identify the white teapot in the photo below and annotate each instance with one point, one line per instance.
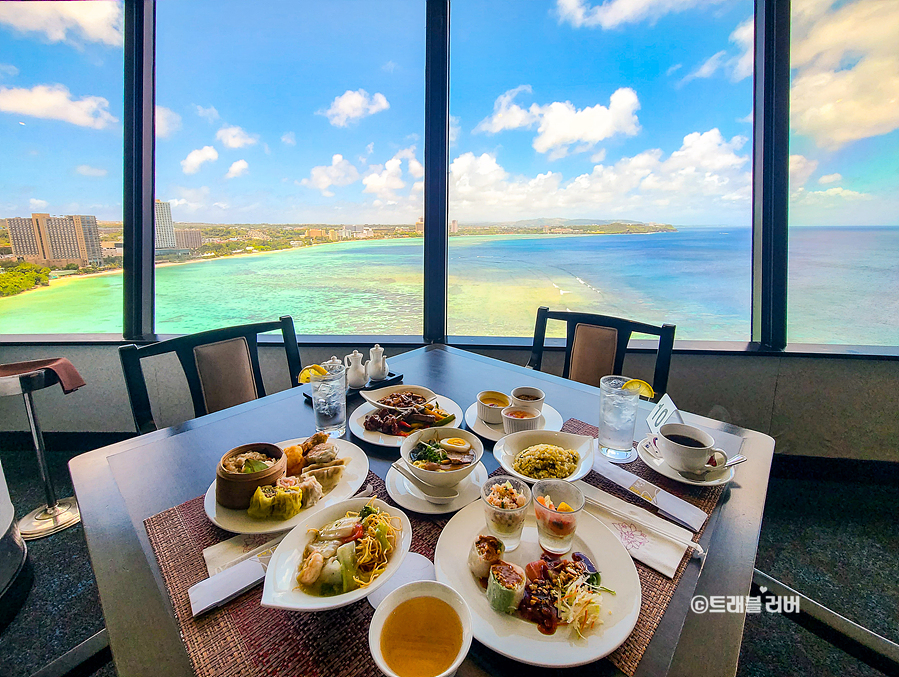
(355, 370)
(376, 367)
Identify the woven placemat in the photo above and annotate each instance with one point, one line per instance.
(246, 639)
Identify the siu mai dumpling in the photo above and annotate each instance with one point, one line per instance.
(327, 477)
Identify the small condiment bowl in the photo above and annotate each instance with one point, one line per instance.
(445, 478)
(492, 414)
(514, 424)
(410, 591)
(520, 394)
(235, 489)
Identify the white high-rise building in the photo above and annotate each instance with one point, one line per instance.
(165, 229)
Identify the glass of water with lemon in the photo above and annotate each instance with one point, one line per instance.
(619, 398)
(328, 383)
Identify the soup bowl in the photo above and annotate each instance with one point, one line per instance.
(441, 478)
(409, 591)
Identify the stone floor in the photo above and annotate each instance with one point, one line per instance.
(836, 543)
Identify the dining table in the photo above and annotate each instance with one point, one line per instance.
(121, 485)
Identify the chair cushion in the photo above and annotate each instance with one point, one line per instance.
(226, 373)
(592, 353)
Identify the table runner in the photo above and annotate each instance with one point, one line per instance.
(244, 639)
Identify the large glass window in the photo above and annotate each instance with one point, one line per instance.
(844, 173)
(289, 165)
(601, 162)
(61, 84)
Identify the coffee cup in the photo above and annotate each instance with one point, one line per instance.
(687, 449)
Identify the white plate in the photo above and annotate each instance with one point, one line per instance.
(238, 522)
(280, 590)
(583, 444)
(550, 420)
(407, 496)
(663, 468)
(372, 396)
(357, 419)
(519, 639)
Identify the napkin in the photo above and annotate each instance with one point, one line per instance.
(653, 549)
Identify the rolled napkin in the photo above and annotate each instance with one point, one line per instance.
(650, 546)
(65, 371)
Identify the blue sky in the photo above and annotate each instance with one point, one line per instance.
(314, 112)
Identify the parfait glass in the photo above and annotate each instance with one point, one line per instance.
(506, 523)
(556, 525)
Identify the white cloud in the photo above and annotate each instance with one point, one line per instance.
(831, 195)
(221, 205)
(87, 170)
(801, 169)
(845, 83)
(707, 175)
(707, 69)
(209, 114)
(676, 67)
(561, 125)
(385, 180)
(289, 138)
(55, 102)
(455, 128)
(390, 66)
(64, 21)
(353, 106)
(238, 168)
(8, 69)
(741, 67)
(191, 199)
(613, 13)
(598, 156)
(235, 137)
(167, 122)
(340, 172)
(830, 178)
(37, 204)
(750, 117)
(194, 160)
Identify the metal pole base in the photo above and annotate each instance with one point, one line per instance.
(45, 521)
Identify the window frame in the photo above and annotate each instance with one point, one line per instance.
(769, 286)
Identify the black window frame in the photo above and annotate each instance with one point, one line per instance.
(770, 181)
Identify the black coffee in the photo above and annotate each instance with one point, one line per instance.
(685, 441)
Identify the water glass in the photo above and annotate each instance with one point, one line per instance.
(329, 399)
(617, 417)
(555, 527)
(506, 523)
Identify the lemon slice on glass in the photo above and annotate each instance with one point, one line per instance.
(306, 374)
(644, 388)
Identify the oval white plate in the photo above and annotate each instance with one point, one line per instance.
(357, 420)
(407, 496)
(552, 420)
(238, 522)
(519, 639)
(280, 590)
(663, 468)
(583, 444)
(372, 396)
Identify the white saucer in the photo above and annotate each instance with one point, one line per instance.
(407, 496)
(663, 468)
(550, 419)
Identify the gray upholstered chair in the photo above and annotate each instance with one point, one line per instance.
(221, 367)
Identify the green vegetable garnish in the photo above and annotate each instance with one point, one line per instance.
(252, 465)
(445, 420)
(366, 511)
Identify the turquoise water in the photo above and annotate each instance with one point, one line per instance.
(842, 283)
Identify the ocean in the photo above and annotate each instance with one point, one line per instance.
(842, 286)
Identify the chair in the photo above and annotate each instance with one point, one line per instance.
(221, 367)
(596, 345)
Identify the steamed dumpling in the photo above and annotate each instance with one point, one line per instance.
(321, 453)
(327, 477)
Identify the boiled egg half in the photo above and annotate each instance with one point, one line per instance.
(456, 444)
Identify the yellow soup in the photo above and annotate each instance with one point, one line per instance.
(421, 637)
(495, 402)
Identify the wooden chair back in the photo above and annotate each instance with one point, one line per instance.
(221, 367)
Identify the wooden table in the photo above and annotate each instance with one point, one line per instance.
(121, 485)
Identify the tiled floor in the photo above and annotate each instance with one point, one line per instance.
(836, 543)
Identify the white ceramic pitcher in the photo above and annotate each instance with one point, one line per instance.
(355, 370)
(376, 367)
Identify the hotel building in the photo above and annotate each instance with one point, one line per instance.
(55, 241)
(165, 229)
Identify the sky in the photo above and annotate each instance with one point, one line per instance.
(286, 112)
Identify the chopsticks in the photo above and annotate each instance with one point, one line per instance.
(691, 545)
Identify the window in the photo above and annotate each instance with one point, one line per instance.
(844, 175)
(600, 162)
(289, 170)
(61, 105)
